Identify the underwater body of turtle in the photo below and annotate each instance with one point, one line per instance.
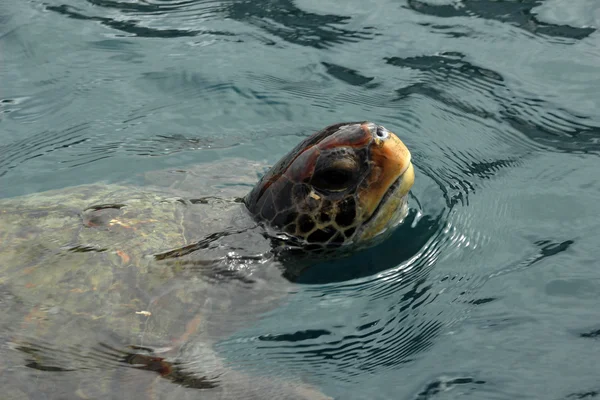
(101, 284)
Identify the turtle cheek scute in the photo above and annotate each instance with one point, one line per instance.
(337, 241)
(290, 229)
(321, 235)
(284, 218)
(284, 191)
(300, 192)
(304, 201)
(324, 217)
(349, 232)
(349, 135)
(267, 211)
(303, 166)
(362, 155)
(347, 213)
(310, 204)
(326, 211)
(305, 224)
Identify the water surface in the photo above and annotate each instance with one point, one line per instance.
(489, 290)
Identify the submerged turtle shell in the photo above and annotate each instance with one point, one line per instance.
(90, 287)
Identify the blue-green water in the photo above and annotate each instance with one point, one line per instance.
(488, 291)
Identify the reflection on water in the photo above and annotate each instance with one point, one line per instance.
(489, 282)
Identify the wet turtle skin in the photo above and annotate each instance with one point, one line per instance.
(117, 290)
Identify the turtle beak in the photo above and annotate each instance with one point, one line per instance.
(392, 169)
(392, 177)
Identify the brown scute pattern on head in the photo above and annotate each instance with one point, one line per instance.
(338, 239)
(351, 136)
(303, 166)
(322, 235)
(326, 211)
(349, 232)
(346, 214)
(324, 217)
(314, 193)
(321, 221)
(305, 225)
(268, 211)
(282, 165)
(284, 202)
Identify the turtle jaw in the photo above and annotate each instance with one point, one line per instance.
(392, 209)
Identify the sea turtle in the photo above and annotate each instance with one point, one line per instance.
(101, 283)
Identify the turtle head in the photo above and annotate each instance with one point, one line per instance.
(346, 184)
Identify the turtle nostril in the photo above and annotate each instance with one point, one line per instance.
(382, 133)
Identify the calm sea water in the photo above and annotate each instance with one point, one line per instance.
(490, 290)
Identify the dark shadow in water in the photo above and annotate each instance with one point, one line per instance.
(6, 106)
(548, 125)
(481, 301)
(132, 27)
(595, 334)
(138, 7)
(487, 169)
(590, 394)
(348, 75)
(438, 386)
(452, 62)
(513, 12)
(298, 336)
(547, 248)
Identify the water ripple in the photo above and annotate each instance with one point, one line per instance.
(511, 12)
(321, 91)
(19, 152)
(448, 74)
(284, 19)
(281, 19)
(80, 145)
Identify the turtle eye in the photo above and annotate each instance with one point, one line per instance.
(333, 179)
(336, 170)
